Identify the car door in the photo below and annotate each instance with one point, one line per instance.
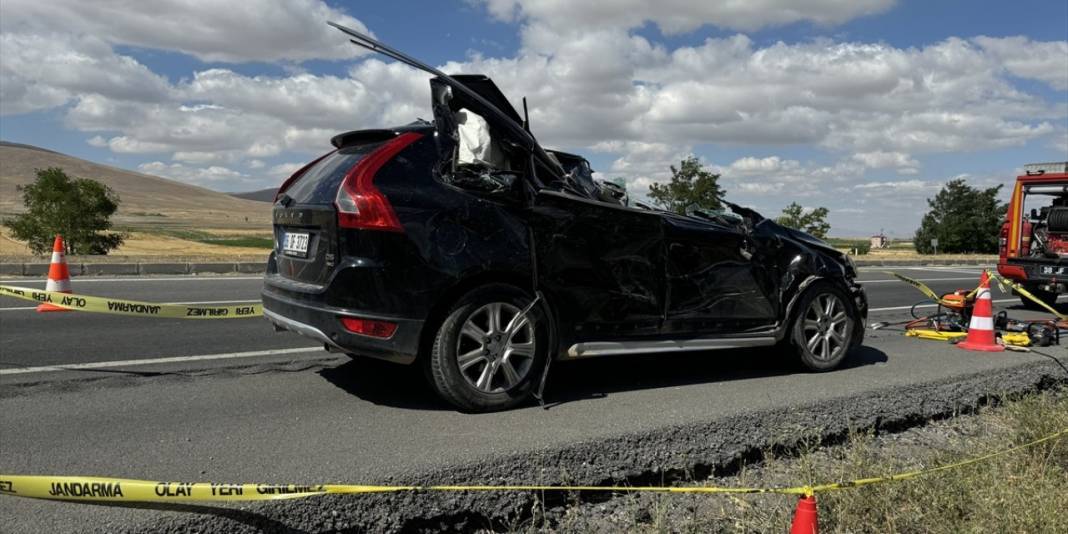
(714, 284)
(602, 264)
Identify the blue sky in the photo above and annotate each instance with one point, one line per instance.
(863, 106)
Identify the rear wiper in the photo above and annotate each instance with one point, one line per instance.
(285, 200)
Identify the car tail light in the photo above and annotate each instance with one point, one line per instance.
(359, 203)
(369, 327)
(293, 178)
(1003, 241)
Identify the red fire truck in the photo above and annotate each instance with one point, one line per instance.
(1034, 237)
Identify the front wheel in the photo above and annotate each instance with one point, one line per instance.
(823, 328)
(487, 355)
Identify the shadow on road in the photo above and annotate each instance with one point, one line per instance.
(384, 383)
(404, 387)
(597, 378)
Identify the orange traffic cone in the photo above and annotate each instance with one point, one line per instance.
(805, 520)
(981, 330)
(58, 276)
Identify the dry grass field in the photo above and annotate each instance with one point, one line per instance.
(164, 218)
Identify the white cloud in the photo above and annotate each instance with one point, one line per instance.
(44, 71)
(215, 176)
(641, 164)
(899, 186)
(679, 16)
(248, 30)
(1045, 61)
(903, 163)
(751, 166)
(591, 82)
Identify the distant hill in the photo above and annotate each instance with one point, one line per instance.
(145, 199)
(263, 195)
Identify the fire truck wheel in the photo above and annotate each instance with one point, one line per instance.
(1048, 297)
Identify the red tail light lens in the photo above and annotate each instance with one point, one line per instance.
(369, 327)
(359, 203)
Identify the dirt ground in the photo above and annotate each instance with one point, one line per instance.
(910, 254)
(141, 246)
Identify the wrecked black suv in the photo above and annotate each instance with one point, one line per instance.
(463, 246)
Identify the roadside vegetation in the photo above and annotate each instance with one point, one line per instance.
(1023, 491)
(264, 241)
(692, 186)
(963, 219)
(79, 209)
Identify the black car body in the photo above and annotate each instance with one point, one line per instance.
(401, 241)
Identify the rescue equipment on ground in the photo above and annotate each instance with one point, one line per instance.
(954, 317)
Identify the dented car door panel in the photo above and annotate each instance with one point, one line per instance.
(713, 283)
(603, 265)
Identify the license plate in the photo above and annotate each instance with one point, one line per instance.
(295, 244)
(1054, 270)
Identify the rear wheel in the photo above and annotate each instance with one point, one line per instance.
(823, 327)
(487, 355)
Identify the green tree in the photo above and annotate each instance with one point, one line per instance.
(963, 219)
(812, 221)
(691, 186)
(79, 209)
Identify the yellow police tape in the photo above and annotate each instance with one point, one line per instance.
(1003, 282)
(928, 291)
(132, 307)
(66, 488)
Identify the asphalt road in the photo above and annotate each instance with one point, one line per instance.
(29, 339)
(309, 417)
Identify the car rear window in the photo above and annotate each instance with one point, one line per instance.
(319, 184)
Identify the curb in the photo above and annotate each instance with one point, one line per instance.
(134, 269)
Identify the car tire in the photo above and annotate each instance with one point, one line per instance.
(475, 364)
(823, 329)
(1048, 297)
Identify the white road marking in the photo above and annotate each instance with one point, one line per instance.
(932, 305)
(174, 359)
(80, 279)
(190, 302)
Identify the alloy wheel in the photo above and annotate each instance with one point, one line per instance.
(495, 348)
(825, 327)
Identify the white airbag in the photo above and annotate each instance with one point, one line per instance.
(476, 146)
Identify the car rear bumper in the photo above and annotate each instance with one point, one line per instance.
(322, 323)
